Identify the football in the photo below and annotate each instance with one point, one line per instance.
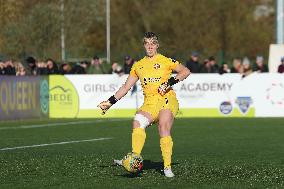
(133, 162)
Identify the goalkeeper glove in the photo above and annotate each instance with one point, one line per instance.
(166, 86)
(105, 105)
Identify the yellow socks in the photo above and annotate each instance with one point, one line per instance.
(138, 140)
(166, 144)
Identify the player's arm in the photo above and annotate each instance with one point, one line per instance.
(122, 91)
(182, 73)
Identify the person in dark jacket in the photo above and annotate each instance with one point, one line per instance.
(52, 67)
(259, 65)
(80, 68)
(214, 68)
(205, 68)
(128, 63)
(192, 64)
(224, 68)
(31, 62)
(281, 66)
(9, 68)
(237, 66)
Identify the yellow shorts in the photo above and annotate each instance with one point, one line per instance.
(153, 105)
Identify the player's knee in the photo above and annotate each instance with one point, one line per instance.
(164, 123)
(164, 131)
(140, 121)
(164, 128)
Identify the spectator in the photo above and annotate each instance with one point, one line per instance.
(205, 68)
(2, 66)
(20, 69)
(117, 69)
(41, 68)
(224, 68)
(9, 68)
(85, 64)
(65, 69)
(259, 65)
(31, 62)
(128, 63)
(52, 67)
(214, 68)
(281, 66)
(247, 69)
(80, 68)
(192, 64)
(237, 66)
(97, 66)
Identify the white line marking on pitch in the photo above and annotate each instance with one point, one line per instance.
(56, 124)
(52, 144)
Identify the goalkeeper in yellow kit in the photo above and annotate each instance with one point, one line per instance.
(160, 102)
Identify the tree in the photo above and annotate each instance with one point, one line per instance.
(222, 28)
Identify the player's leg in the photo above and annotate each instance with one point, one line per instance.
(141, 120)
(166, 119)
(168, 109)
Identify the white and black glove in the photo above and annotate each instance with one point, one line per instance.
(166, 86)
(105, 105)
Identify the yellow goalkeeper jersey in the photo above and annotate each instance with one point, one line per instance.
(152, 72)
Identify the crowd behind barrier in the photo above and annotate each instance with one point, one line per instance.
(31, 66)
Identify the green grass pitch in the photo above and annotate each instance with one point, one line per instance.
(208, 153)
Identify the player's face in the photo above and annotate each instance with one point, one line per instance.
(151, 45)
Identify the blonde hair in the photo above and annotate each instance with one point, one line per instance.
(151, 35)
(20, 69)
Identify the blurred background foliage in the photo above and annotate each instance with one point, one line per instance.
(222, 28)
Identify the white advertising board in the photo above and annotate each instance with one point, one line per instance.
(200, 95)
